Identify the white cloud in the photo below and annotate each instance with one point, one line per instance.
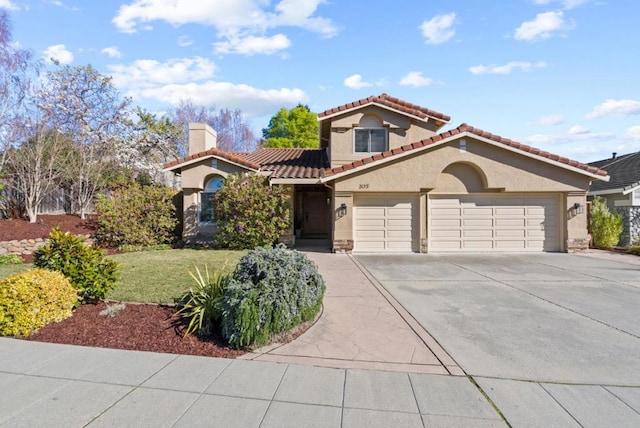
(551, 120)
(438, 29)
(633, 133)
(615, 108)
(506, 68)
(542, 27)
(566, 4)
(240, 24)
(148, 72)
(578, 130)
(7, 4)
(58, 53)
(415, 78)
(253, 45)
(193, 78)
(112, 52)
(253, 102)
(355, 82)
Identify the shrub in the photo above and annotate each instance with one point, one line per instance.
(32, 299)
(10, 259)
(249, 213)
(606, 226)
(271, 291)
(91, 274)
(202, 307)
(634, 249)
(135, 215)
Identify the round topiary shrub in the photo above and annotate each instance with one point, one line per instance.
(32, 299)
(271, 291)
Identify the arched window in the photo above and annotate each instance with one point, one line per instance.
(207, 211)
(370, 136)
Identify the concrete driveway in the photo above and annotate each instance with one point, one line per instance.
(542, 317)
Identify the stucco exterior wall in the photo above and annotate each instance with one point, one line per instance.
(481, 168)
(501, 169)
(194, 178)
(401, 130)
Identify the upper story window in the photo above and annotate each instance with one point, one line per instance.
(207, 209)
(370, 140)
(370, 136)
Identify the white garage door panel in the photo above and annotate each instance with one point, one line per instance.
(384, 224)
(493, 223)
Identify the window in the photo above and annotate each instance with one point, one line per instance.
(207, 211)
(368, 140)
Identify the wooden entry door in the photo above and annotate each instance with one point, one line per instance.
(315, 213)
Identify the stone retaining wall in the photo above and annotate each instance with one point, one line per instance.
(26, 247)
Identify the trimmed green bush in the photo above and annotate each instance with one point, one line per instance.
(202, 307)
(606, 226)
(10, 259)
(32, 299)
(91, 274)
(271, 291)
(249, 213)
(136, 215)
(634, 249)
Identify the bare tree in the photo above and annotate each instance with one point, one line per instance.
(16, 66)
(234, 132)
(37, 167)
(86, 107)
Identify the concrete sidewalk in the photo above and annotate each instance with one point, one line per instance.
(62, 385)
(362, 326)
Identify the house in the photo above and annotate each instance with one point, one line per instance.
(387, 179)
(621, 192)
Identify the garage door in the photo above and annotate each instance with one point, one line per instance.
(384, 224)
(493, 223)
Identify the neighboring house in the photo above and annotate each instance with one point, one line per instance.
(385, 180)
(621, 192)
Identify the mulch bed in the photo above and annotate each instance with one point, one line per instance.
(138, 327)
(18, 229)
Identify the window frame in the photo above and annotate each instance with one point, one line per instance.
(369, 129)
(201, 196)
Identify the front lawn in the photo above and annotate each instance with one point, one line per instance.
(160, 276)
(156, 276)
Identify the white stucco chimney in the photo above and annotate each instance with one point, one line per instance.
(201, 137)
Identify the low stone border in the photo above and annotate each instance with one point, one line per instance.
(26, 247)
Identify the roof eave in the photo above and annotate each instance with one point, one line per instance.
(281, 180)
(456, 137)
(200, 159)
(423, 119)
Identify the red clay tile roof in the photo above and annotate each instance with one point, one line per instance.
(475, 131)
(391, 102)
(233, 157)
(291, 163)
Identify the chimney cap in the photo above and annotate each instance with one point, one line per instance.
(614, 155)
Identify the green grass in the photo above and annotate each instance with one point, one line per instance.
(156, 276)
(161, 276)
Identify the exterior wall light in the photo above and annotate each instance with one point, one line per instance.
(342, 210)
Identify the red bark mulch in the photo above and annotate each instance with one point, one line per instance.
(137, 327)
(19, 229)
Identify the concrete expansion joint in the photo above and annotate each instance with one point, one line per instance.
(413, 324)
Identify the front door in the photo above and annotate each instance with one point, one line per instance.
(315, 213)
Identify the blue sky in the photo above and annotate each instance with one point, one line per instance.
(561, 75)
